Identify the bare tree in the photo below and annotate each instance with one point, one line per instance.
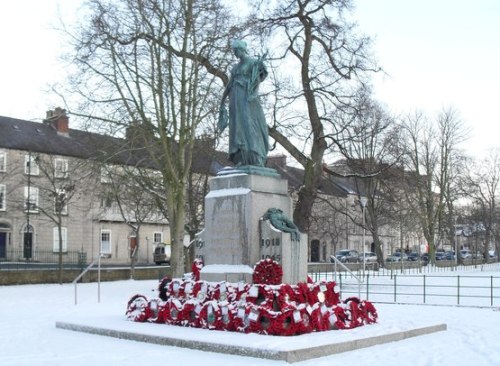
(136, 65)
(481, 186)
(430, 153)
(370, 143)
(136, 206)
(326, 62)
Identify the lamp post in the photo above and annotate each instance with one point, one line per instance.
(363, 200)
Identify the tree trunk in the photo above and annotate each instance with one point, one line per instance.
(60, 256)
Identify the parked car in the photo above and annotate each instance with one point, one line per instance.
(425, 258)
(465, 254)
(413, 256)
(449, 255)
(396, 257)
(346, 256)
(478, 255)
(161, 253)
(440, 256)
(370, 257)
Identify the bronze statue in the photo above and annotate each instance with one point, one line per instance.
(248, 134)
(281, 222)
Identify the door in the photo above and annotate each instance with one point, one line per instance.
(3, 244)
(315, 251)
(28, 245)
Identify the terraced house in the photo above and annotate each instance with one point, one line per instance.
(57, 191)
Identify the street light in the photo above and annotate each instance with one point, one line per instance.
(363, 200)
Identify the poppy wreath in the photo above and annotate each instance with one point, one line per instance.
(301, 293)
(172, 312)
(356, 315)
(369, 312)
(241, 291)
(267, 272)
(175, 288)
(331, 292)
(163, 289)
(225, 319)
(261, 295)
(138, 309)
(297, 321)
(342, 318)
(285, 297)
(320, 317)
(259, 319)
(222, 291)
(238, 318)
(207, 318)
(252, 308)
(312, 294)
(201, 291)
(285, 324)
(156, 311)
(196, 268)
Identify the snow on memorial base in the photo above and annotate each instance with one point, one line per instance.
(277, 322)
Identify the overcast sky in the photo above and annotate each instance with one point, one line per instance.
(436, 53)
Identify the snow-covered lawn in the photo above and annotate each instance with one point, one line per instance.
(29, 337)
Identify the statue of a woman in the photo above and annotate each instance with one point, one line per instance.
(248, 135)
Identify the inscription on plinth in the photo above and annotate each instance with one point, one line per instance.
(289, 250)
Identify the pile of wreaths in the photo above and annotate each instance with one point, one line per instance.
(252, 308)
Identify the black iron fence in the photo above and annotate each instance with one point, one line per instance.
(435, 285)
(16, 259)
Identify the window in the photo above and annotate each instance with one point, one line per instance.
(31, 199)
(64, 234)
(105, 242)
(3, 161)
(2, 197)
(31, 165)
(106, 200)
(158, 237)
(61, 202)
(60, 168)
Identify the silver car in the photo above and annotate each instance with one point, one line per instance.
(347, 256)
(370, 257)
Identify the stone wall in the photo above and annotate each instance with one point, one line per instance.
(23, 277)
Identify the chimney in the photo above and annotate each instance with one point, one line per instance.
(276, 161)
(58, 119)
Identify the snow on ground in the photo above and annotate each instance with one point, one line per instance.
(29, 337)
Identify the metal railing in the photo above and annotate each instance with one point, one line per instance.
(16, 259)
(75, 281)
(436, 288)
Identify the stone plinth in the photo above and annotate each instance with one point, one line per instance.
(233, 211)
(227, 272)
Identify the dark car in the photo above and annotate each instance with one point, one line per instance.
(161, 253)
(449, 255)
(440, 256)
(346, 256)
(413, 256)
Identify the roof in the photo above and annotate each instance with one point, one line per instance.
(43, 138)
